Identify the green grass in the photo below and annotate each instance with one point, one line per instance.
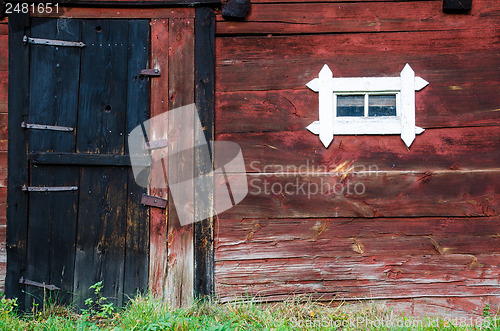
(297, 313)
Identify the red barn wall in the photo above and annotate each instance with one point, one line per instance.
(4, 67)
(425, 233)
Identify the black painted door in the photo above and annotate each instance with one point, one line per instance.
(93, 228)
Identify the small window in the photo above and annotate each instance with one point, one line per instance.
(366, 105)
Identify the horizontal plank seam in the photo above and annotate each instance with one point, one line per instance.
(488, 125)
(403, 297)
(336, 2)
(361, 173)
(279, 34)
(406, 217)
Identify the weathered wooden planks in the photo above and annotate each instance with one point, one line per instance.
(371, 194)
(204, 96)
(159, 105)
(295, 109)
(432, 54)
(17, 201)
(357, 258)
(180, 273)
(353, 17)
(334, 243)
(278, 243)
(54, 78)
(4, 91)
(100, 90)
(276, 70)
(4, 50)
(100, 241)
(299, 150)
(138, 88)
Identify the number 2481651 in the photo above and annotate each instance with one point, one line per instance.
(34, 8)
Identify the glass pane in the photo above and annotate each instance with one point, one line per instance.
(382, 105)
(350, 105)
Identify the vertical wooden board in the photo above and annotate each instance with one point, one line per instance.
(137, 240)
(17, 200)
(100, 242)
(204, 96)
(4, 51)
(51, 233)
(54, 75)
(159, 105)
(4, 90)
(103, 94)
(180, 278)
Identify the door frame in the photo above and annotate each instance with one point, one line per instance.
(200, 234)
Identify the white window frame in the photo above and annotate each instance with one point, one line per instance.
(329, 88)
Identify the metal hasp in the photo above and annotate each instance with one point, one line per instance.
(49, 287)
(48, 188)
(150, 72)
(25, 125)
(152, 201)
(457, 6)
(51, 42)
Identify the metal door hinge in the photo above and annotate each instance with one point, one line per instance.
(51, 42)
(49, 287)
(152, 201)
(150, 72)
(48, 188)
(25, 125)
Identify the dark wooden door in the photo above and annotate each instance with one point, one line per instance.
(93, 227)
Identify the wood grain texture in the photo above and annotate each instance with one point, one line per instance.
(54, 82)
(386, 194)
(204, 97)
(256, 239)
(4, 91)
(159, 104)
(465, 148)
(354, 17)
(4, 51)
(100, 241)
(273, 85)
(17, 201)
(51, 234)
(136, 271)
(357, 257)
(100, 88)
(180, 272)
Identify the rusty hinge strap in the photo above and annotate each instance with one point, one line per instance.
(51, 42)
(48, 188)
(49, 287)
(150, 72)
(25, 125)
(152, 201)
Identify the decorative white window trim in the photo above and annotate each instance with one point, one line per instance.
(403, 87)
